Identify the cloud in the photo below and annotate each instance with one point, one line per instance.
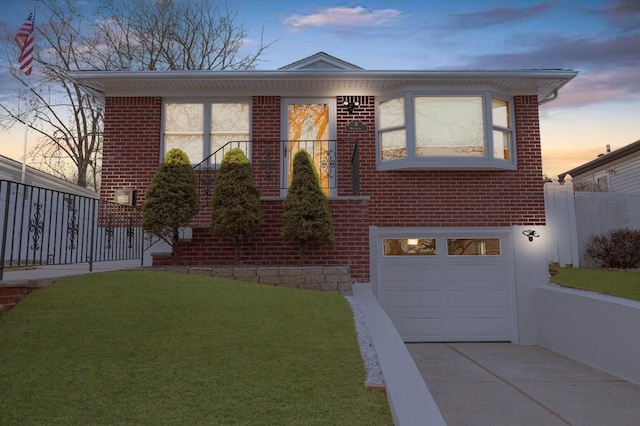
(342, 17)
(495, 16)
(624, 14)
(579, 53)
(598, 87)
(608, 67)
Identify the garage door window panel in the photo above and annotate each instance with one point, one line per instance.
(473, 247)
(409, 246)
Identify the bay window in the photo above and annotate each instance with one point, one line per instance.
(445, 131)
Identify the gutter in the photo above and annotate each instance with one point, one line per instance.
(549, 99)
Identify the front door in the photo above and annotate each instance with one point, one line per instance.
(310, 125)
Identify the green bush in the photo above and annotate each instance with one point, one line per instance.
(171, 200)
(236, 210)
(306, 215)
(617, 249)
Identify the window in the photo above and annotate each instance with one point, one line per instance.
(473, 246)
(184, 127)
(449, 126)
(501, 129)
(229, 122)
(393, 138)
(409, 246)
(186, 124)
(445, 131)
(602, 183)
(310, 125)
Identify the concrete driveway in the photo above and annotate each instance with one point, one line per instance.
(506, 384)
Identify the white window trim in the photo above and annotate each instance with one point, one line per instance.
(206, 127)
(599, 175)
(413, 162)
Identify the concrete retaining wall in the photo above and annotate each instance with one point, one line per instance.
(598, 330)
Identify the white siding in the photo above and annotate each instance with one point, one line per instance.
(626, 176)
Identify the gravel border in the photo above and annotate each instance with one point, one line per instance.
(367, 350)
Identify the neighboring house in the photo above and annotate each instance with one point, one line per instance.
(432, 176)
(615, 171)
(603, 195)
(11, 170)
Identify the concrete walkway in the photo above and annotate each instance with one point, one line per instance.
(506, 384)
(45, 275)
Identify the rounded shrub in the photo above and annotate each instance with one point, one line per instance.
(236, 209)
(306, 216)
(171, 200)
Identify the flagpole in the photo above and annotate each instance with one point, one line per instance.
(24, 145)
(24, 40)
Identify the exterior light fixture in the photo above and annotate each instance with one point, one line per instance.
(351, 106)
(125, 197)
(530, 233)
(413, 241)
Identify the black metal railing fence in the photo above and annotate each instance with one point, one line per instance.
(337, 161)
(41, 226)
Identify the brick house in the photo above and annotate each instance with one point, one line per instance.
(432, 176)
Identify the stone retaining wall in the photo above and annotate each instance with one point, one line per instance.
(333, 279)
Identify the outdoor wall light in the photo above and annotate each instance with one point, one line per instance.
(530, 233)
(351, 106)
(413, 241)
(125, 197)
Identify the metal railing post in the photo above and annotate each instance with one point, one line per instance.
(355, 165)
(94, 225)
(4, 227)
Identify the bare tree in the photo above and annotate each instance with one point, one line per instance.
(66, 117)
(132, 35)
(171, 35)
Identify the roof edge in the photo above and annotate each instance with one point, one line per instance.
(602, 160)
(243, 74)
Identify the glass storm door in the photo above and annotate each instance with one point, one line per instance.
(311, 126)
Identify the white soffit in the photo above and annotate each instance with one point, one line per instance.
(161, 83)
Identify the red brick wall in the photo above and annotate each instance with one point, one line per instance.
(456, 198)
(397, 198)
(265, 119)
(266, 247)
(131, 145)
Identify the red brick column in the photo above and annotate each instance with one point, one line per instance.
(131, 145)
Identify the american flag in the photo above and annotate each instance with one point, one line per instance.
(24, 40)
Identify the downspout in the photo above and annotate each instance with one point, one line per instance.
(544, 101)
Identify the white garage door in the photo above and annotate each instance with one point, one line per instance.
(446, 287)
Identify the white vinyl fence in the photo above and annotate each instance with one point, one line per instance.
(574, 217)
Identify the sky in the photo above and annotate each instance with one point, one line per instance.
(598, 38)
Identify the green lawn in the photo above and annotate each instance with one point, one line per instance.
(157, 348)
(613, 283)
